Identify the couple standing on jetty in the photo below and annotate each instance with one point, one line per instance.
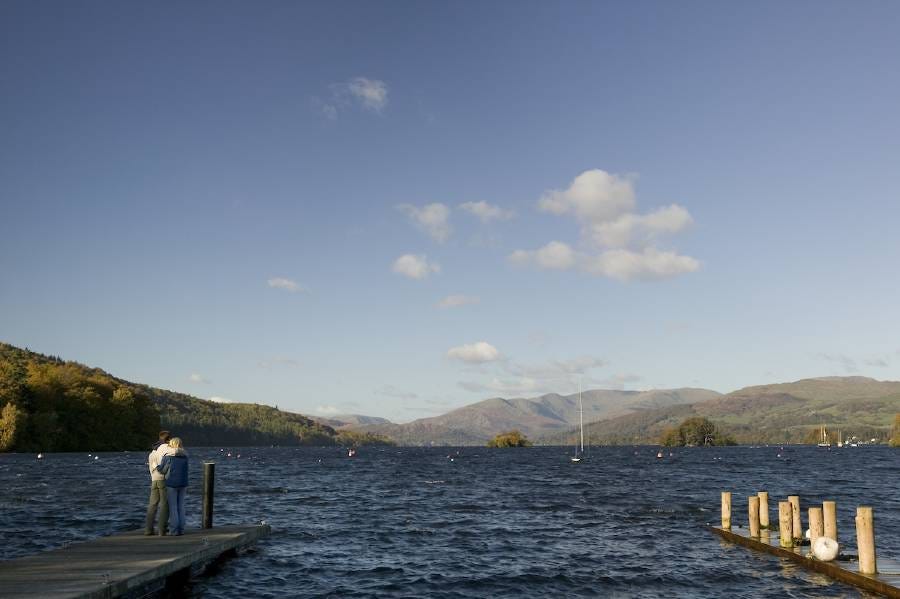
(168, 485)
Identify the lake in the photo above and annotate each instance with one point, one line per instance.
(428, 522)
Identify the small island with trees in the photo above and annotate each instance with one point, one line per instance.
(695, 432)
(510, 439)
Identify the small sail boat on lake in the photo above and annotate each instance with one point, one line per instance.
(579, 454)
(824, 442)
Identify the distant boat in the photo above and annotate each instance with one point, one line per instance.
(351, 452)
(578, 454)
(824, 442)
(840, 439)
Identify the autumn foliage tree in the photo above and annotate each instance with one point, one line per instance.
(509, 439)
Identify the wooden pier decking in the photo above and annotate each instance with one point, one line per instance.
(120, 564)
(886, 582)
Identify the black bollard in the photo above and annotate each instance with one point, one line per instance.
(209, 485)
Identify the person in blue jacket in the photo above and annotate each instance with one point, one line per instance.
(175, 466)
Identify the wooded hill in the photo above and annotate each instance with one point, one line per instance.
(48, 404)
(773, 414)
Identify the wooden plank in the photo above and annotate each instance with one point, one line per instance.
(118, 564)
(886, 582)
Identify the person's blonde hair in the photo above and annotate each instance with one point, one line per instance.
(175, 442)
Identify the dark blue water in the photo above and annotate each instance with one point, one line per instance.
(412, 522)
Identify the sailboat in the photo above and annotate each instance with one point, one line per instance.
(579, 454)
(824, 442)
(840, 439)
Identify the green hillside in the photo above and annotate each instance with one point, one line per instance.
(779, 413)
(47, 404)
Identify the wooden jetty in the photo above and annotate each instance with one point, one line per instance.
(879, 576)
(121, 564)
(886, 582)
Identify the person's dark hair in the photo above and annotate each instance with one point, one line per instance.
(164, 436)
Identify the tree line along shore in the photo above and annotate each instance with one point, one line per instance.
(48, 404)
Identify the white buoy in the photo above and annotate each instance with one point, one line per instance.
(96, 457)
(40, 456)
(825, 549)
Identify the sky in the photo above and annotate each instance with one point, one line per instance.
(399, 208)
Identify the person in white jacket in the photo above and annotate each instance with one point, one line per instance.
(158, 488)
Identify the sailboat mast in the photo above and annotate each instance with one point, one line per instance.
(581, 415)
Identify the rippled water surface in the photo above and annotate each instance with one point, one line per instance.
(430, 522)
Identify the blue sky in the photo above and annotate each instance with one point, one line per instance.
(400, 208)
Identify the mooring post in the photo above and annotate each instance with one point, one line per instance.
(763, 509)
(726, 510)
(816, 524)
(785, 523)
(829, 513)
(865, 540)
(209, 486)
(753, 513)
(796, 525)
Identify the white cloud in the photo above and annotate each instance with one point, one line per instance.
(371, 93)
(558, 369)
(556, 255)
(486, 212)
(474, 353)
(368, 94)
(640, 229)
(327, 410)
(594, 195)
(651, 264)
(286, 284)
(197, 378)
(454, 301)
(415, 267)
(624, 242)
(433, 219)
(218, 399)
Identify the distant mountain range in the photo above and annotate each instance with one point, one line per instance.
(349, 421)
(543, 416)
(50, 404)
(777, 413)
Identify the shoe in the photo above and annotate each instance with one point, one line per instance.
(179, 533)
(149, 533)
(163, 533)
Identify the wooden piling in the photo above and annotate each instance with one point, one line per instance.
(816, 524)
(763, 509)
(865, 540)
(726, 510)
(209, 486)
(785, 523)
(829, 514)
(796, 525)
(753, 514)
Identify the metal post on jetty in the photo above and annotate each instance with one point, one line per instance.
(726, 510)
(209, 485)
(816, 524)
(865, 540)
(829, 512)
(796, 525)
(785, 523)
(753, 514)
(763, 509)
